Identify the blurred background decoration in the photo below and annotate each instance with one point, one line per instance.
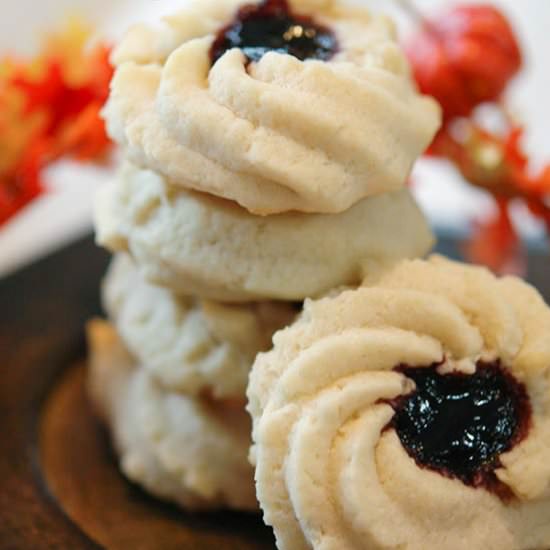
(486, 178)
(50, 108)
(465, 57)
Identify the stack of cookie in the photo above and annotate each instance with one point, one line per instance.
(267, 147)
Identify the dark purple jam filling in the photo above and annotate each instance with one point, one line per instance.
(459, 424)
(270, 26)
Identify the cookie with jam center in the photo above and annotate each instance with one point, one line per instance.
(413, 412)
(278, 105)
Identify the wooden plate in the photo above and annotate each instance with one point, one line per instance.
(60, 487)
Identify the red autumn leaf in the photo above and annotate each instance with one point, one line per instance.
(495, 244)
(495, 163)
(23, 184)
(52, 95)
(85, 137)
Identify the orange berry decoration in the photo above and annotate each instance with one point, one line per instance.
(464, 57)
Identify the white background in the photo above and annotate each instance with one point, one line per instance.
(65, 212)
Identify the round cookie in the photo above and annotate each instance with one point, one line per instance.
(336, 403)
(189, 451)
(197, 244)
(278, 134)
(188, 344)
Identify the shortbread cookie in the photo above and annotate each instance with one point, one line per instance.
(412, 414)
(188, 344)
(189, 451)
(272, 132)
(197, 244)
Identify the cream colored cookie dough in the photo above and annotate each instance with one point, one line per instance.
(189, 451)
(188, 344)
(197, 244)
(330, 475)
(280, 134)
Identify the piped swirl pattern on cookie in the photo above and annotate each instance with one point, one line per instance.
(270, 26)
(278, 134)
(333, 469)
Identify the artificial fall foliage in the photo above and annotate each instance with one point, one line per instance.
(49, 108)
(464, 57)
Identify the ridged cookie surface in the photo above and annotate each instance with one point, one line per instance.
(279, 134)
(332, 472)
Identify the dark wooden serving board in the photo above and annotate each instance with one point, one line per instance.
(59, 484)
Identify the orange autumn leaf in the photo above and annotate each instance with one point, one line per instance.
(49, 108)
(22, 184)
(85, 138)
(495, 243)
(499, 166)
(494, 163)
